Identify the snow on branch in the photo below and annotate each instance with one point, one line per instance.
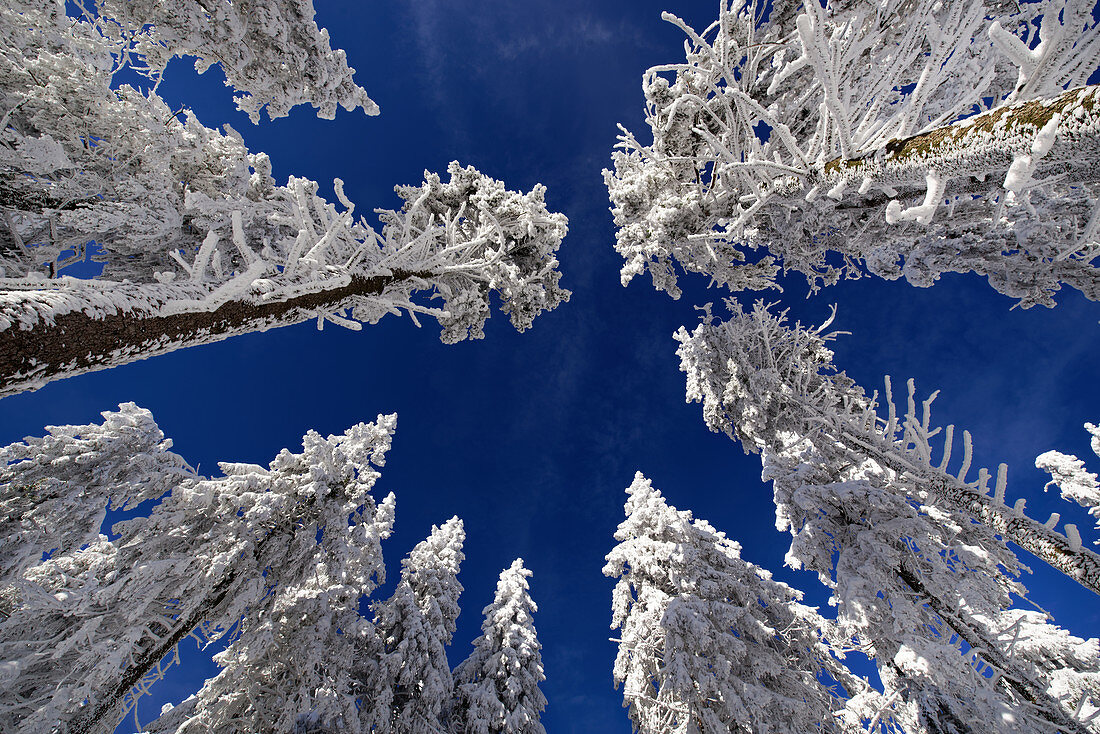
(1069, 475)
(92, 627)
(197, 240)
(890, 135)
(455, 242)
(269, 50)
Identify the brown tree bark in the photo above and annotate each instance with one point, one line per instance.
(36, 349)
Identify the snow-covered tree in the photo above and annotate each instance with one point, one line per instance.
(915, 556)
(897, 138)
(294, 655)
(407, 683)
(497, 686)
(297, 541)
(709, 642)
(57, 488)
(198, 241)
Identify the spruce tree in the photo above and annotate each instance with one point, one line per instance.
(915, 555)
(407, 679)
(239, 554)
(709, 642)
(497, 686)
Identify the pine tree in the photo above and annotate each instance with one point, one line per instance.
(408, 681)
(231, 555)
(198, 241)
(497, 686)
(911, 139)
(915, 556)
(709, 642)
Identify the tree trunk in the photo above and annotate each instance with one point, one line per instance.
(50, 333)
(1019, 684)
(984, 144)
(1080, 564)
(103, 716)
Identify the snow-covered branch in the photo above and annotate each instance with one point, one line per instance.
(760, 379)
(888, 134)
(458, 241)
(1069, 475)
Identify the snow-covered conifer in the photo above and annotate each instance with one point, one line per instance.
(55, 489)
(915, 555)
(297, 541)
(497, 686)
(198, 241)
(709, 642)
(911, 138)
(408, 685)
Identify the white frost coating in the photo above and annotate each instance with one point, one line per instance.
(1023, 165)
(1073, 536)
(270, 50)
(1044, 141)
(207, 209)
(56, 489)
(104, 605)
(275, 558)
(1073, 480)
(409, 682)
(1019, 173)
(862, 103)
(923, 213)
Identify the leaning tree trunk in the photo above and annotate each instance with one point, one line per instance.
(1074, 560)
(977, 148)
(102, 716)
(1018, 683)
(51, 332)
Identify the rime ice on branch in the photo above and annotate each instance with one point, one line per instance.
(275, 560)
(763, 382)
(198, 241)
(269, 50)
(912, 139)
(57, 488)
(1068, 473)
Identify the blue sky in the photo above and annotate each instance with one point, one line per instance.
(531, 438)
